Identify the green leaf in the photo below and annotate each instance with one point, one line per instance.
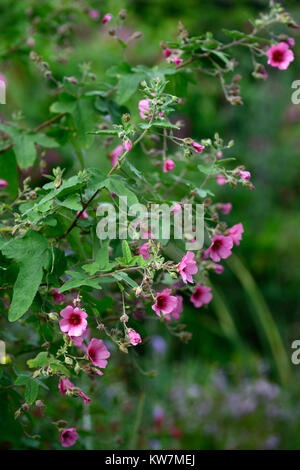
(165, 125)
(122, 276)
(128, 85)
(104, 132)
(66, 104)
(45, 141)
(118, 186)
(79, 279)
(126, 252)
(25, 150)
(32, 252)
(41, 360)
(237, 35)
(8, 171)
(102, 261)
(31, 391)
(72, 201)
(83, 119)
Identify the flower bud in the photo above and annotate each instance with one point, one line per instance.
(53, 316)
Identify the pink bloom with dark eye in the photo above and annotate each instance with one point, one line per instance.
(57, 297)
(97, 352)
(280, 56)
(177, 310)
(201, 296)
(220, 248)
(134, 337)
(106, 18)
(94, 14)
(84, 215)
(144, 251)
(115, 154)
(176, 209)
(235, 233)
(169, 165)
(65, 386)
(3, 184)
(221, 179)
(177, 60)
(198, 147)
(226, 208)
(218, 268)
(79, 342)
(164, 302)
(187, 267)
(245, 175)
(74, 321)
(167, 52)
(127, 145)
(68, 437)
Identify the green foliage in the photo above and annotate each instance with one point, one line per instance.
(81, 104)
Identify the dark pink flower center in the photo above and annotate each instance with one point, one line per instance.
(197, 294)
(216, 245)
(75, 319)
(278, 56)
(92, 354)
(161, 302)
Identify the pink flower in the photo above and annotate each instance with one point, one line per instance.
(221, 179)
(187, 267)
(280, 56)
(164, 302)
(57, 297)
(97, 352)
(169, 165)
(30, 42)
(201, 296)
(106, 18)
(177, 60)
(145, 108)
(177, 310)
(144, 251)
(176, 209)
(235, 233)
(84, 215)
(74, 321)
(94, 14)
(115, 154)
(127, 144)
(198, 147)
(167, 52)
(218, 268)
(68, 437)
(158, 415)
(3, 184)
(226, 208)
(245, 175)
(220, 248)
(290, 42)
(220, 154)
(65, 386)
(78, 341)
(134, 337)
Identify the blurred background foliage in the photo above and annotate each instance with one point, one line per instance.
(218, 391)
